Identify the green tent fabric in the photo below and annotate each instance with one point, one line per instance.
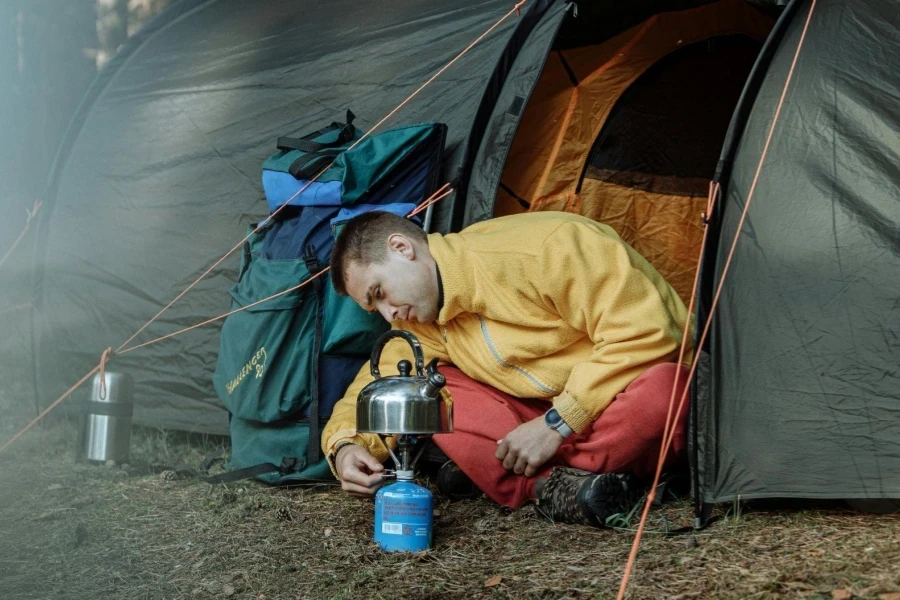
(196, 101)
(800, 394)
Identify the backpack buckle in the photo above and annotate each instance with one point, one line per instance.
(290, 464)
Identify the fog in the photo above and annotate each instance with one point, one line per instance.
(50, 52)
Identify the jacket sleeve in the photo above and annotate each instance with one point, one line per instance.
(342, 424)
(633, 317)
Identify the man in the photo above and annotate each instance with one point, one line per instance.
(557, 341)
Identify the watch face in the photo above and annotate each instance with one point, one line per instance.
(552, 418)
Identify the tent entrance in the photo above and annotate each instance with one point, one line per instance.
(665, 133)
(628, 131)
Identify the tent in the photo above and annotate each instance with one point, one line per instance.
(622, 111)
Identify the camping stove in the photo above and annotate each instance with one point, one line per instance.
(411, 408)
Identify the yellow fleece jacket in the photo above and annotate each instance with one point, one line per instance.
(540, 305)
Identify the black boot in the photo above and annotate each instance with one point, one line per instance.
(454, 484)
(575, 496)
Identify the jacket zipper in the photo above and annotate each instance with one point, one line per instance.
(531, 378)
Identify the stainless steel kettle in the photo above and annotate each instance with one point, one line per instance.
(404, 404)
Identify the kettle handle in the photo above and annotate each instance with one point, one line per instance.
(388, 336)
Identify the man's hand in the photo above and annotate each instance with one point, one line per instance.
(527, 447)
(359, 471)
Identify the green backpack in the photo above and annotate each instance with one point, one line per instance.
(284, 363)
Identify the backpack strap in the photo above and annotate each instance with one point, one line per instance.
(289, 464)
(307, 165)
(305, 143)
(313, 451)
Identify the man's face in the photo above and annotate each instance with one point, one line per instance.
(403, 287)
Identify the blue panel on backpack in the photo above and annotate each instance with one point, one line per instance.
(281, 187)
(408, 182)
(336, 373)
(297, 228)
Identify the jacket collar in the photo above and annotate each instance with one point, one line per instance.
(448, 253)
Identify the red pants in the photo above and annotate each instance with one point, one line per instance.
(626, 437)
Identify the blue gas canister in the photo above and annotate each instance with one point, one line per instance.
(403, 516)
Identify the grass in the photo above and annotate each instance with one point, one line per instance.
(73, 530)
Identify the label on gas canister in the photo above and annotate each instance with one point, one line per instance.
(403, 529)
(405, 517)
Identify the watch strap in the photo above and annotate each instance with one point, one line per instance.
(337, 448)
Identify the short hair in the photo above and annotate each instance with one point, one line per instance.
(363, 240)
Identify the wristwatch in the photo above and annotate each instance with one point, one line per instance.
(556, 423)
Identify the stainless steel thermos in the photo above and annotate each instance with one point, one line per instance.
(107, 421)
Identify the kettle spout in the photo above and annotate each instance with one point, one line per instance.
(434, 382)
(433, 386)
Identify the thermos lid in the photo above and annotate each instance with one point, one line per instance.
(119, 388)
